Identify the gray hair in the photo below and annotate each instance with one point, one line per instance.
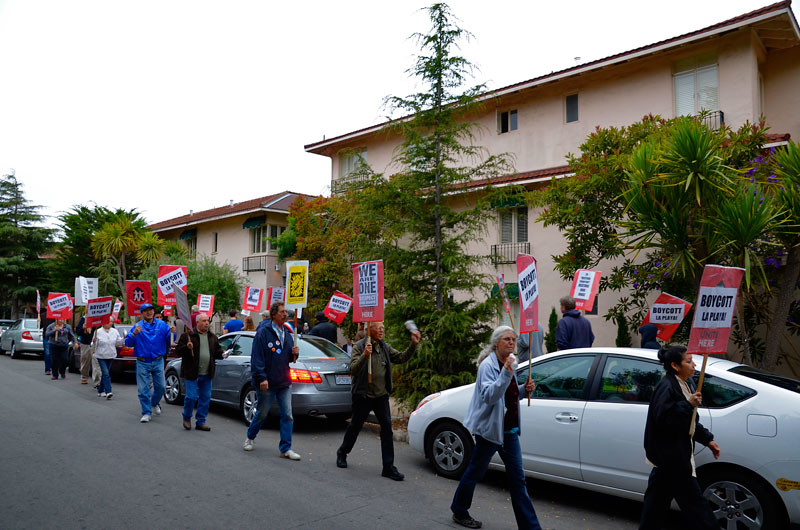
(568, 302)
(497, 334)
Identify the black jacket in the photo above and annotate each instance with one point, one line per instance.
(190, 359)
(666, 434)
(326, 330)
(648, 333)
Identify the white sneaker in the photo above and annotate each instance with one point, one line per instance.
(157, 410)
(108, 396)
(248, 444)
(102, 394)
(145, 418)
(291, 455)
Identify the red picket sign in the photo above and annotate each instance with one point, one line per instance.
(117, 309)
(713, 313)
(275, 294)
(98, 311)
(584, 288)
(167, 311)
(252, 298)
(168, 277)
(59, 305)
(205, 304)
(528, 282)
(501, 285)
(137, 293)
(368, 291)
(338, 307)
(667, 313)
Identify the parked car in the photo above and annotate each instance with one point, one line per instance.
(585, 428)
(124, 362)
(23, 336)
(5, 324)
(320, 378)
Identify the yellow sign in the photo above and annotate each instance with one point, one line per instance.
(784, 484)
(296, 284)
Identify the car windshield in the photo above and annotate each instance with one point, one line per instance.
(30, 324)
(315, 348)
(766, 377)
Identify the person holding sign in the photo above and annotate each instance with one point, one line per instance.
(373, 395)
(273, 350)
(150, 341)
(59, 334)
(669, 438)
(105, 343)
(574, 330)
(493, 417)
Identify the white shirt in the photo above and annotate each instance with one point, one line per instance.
(106, 341)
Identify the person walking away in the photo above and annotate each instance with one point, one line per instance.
(46, 347)
(374, 395)
(493, 417)
(524, 349)
(199, 349)
(60, 335)
(233, 324)
(324, 328)
(648, 333)
(574, 330)
(669, 438)
(272, 351)
(85, 336)
(149, 339)
(105, 342)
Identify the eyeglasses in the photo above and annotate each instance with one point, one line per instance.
(510, 339)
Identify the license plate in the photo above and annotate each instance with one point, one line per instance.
(342, 379)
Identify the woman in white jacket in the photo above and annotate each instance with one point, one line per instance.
(105, 344)
(493, 417)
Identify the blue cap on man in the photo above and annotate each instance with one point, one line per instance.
(145, 307)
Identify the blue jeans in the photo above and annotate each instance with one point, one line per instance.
(105, 379)
(511, 453)
(46, 346)
(198, 393)
(263, 405)
(145, 369)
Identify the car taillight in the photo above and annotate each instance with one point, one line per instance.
(126, 352)
(304, 376)
(27, 335)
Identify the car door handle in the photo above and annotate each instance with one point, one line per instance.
(566, 417)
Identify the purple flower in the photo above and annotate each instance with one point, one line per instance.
(636, 271)
(666, 264)
(666, 274)
(772, 178)
(658, 263)
(789, 319)
(769, 261)
(635, 285)
(650, 276)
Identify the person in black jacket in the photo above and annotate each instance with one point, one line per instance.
(669, 437)
(324, 328)
(648, 333)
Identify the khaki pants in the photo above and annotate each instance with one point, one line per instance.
(97, 374)
(86, 359)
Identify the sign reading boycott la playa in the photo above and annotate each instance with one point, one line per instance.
(170, 276)
(713, 315)
(528, 293)
(667, 313)
(368, 291)
(338, 307)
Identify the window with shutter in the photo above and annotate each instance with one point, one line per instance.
(522, 225)
(506, 227)
(707, 89)
(684, 94)
(696, 85)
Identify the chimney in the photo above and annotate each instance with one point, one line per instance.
(191, 212)
(231, 204)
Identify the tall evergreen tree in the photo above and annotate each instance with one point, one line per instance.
(23, 244)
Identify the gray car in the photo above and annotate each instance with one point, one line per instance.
(24, 336)
(320, 379)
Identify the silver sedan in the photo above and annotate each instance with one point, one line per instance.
(24, 336)
(320, 378)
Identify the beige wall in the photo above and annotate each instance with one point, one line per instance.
(782, 91)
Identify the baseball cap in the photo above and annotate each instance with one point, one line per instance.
(145, 307)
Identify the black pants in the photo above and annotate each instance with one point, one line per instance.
(59, 357)
(662, 487)
(361, 409)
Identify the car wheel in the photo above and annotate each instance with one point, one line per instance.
(742, 500)
(449, 448)
(14, 353)
(172, 390)
(247, 404)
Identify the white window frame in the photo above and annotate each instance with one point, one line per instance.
(513, 124)
(278, 229)
(518, 217)
(699, 71)
(258, 243)
(351, 161)
(191, 245)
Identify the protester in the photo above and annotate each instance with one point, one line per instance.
(493, 417)
(273, 350)
(669, 437)
(249, 325)
(648, 333)
(573, 330)
(85, 335)
(524, 349)
(348, 347)
(199, 349)
(59, 334)
(193, 316)
(324, 328)
(374, 395)
(105, 342)
(46, 347)
(233, 324)
(306, 329)
(149, 339)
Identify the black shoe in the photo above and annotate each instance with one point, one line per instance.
(341, 459)
(467, 521)
(392, 473)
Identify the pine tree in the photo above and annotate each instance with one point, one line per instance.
(550, 338)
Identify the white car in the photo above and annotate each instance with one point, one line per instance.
(585, 428)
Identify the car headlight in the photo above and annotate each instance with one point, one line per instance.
(427, 399)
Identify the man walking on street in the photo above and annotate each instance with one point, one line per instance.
(149, 339)
(574, 330)
(199, 348)
(374, 395)
(273, 350)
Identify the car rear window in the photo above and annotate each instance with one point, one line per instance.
(314, 347)
(766, 377)
(31, 324)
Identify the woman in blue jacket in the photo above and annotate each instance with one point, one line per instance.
(493, 417)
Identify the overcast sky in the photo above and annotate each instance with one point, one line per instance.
(172, 105)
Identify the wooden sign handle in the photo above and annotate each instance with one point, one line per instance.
(530, 361)
(699, 389)
(369, 359)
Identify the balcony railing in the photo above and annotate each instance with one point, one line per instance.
(507, 252)
(714, 120)
(254, 263)
(350, 182)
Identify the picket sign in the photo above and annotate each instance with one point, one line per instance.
(252, 298)
(584, 288)
(98, 311)
(528, 281)
(338, 307)
(137, 293)
(205, 304)
(368, 297)
(501, 285)
(168, 277)
(667, 313)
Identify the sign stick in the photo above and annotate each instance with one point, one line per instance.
(369, 361)
(699, 389)
(295, 334)
(530, 361)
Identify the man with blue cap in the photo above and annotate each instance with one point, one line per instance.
(149, 339)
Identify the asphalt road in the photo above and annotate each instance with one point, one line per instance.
(69, 459)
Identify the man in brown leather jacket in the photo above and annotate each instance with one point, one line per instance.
(199, 349)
